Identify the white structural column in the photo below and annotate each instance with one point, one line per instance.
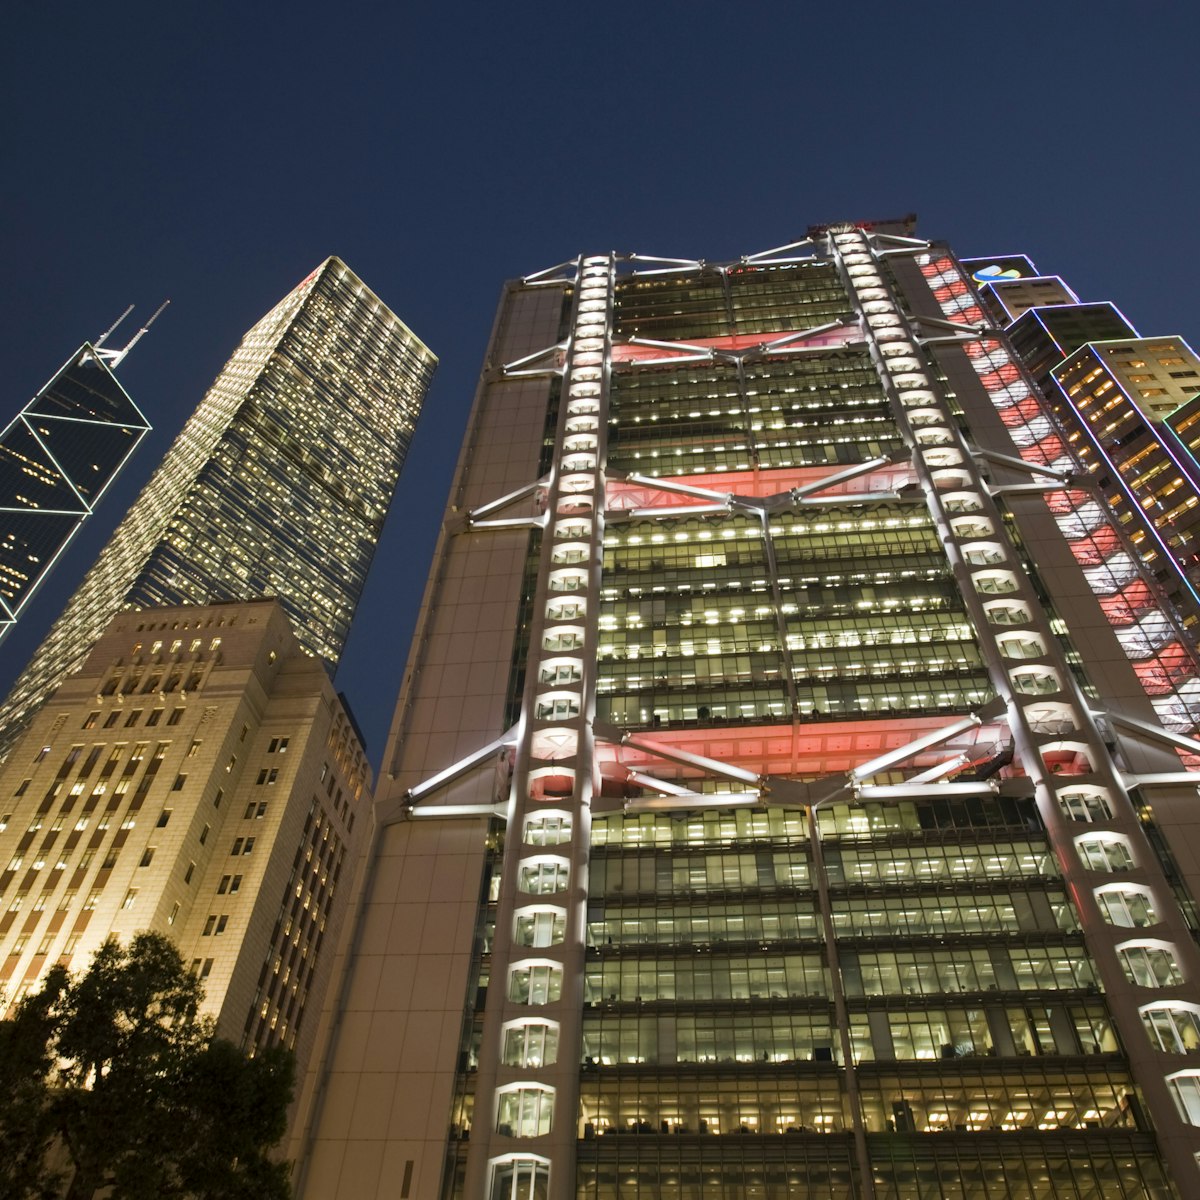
(527, 1090)
(1132, 925)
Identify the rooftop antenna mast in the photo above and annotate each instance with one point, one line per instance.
(109, 331)
(114, 357)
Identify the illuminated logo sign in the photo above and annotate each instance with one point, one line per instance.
(995, 274)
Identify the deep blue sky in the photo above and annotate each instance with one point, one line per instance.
(215, 152)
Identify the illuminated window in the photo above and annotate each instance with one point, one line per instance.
(1126, 905)
(531, 1044)
(1085, 804)
(543, 876)
(535, 983)
(539, 928)
(548, 830)
(1149, 964)
(519, 1177)
(1185, 1088)
(1108, 854)
(524, 1110)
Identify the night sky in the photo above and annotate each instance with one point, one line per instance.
(214, 153)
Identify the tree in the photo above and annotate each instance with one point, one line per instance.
(239, 1107)
(26, 1134)
(119, 1075)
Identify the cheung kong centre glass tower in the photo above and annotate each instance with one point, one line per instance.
(775, 806)
(278, 485)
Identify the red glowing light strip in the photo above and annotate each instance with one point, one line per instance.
(626, 352)
(803, 751)
(624, 495)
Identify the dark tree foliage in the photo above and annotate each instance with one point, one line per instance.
(25, 1064)
(114, 1080)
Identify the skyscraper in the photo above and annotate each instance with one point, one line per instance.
(278, 484)
(57, 458)
(780, 801)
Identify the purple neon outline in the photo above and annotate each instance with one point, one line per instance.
(1082, 304)
(1037, 278)
(1072, 303)
(1032, 265)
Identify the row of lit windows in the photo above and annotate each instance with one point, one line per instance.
(613, 1037)
(708, 320)
(933, 971)
(880, 603)
(697, 306)
(767, 703)
(742, 920)
(617, 875)
(638, 385)
(1031, 1097)
(670, 415)
(714, 828)
(881, 523)
(737, 657)
(132, 717)
(929, 971)
(938, 862)
(884, 916)
(894, 549)
(842, 822)
(953, 1170)
(733, 977)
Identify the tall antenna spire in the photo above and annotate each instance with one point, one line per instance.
(113, 357)
(108, 332)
